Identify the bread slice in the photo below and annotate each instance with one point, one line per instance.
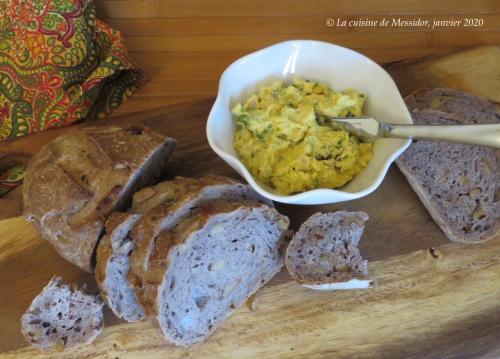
(75, 181)
(210, 263)
(458, 184)
(179, 198)
(112, 267)
(323, 254)
(62, 317)
(471, 108)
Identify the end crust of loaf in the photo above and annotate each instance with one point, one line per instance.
(62, 317)
(75, 181)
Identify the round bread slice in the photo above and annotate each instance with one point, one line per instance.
(323, 253)
(62, 317)
(111, 271)
(75, 181)
(179, 198)
(210, 264)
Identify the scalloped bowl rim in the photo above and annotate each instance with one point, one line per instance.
(302, 197)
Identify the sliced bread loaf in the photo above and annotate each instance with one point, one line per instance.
(115, 248)
(75, 181)
(179, 198)
(323, 253)
(112, 267)
(458, 184)
(62, 317)
(210, 263)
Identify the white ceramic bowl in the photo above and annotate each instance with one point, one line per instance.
(339, 68)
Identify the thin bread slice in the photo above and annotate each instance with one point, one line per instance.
(471, 108)
(112, 267)
(210, 264)
(75, 181)
(62, 317)
(458, 184)
(323, 253)
(179, 198)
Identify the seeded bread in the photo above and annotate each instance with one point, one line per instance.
(112, 267)
(75, 181)
(458, 184)
(176, 200)
(62, 317)
(211, 263)
(323, 253)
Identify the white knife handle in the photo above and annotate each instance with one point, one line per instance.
(482, 135)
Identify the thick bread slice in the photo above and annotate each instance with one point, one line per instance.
(112, 267)
(458, 184)
(177, 199)
(75, 181)
(472, 108)
(62, 317)
(210, 263)
(323, 254)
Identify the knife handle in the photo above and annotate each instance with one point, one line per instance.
(481, 135)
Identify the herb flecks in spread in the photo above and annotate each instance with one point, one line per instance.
(284, 142)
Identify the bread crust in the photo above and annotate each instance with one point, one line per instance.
(75, 181)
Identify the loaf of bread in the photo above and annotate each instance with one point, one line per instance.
(62, 317)
(323, 254)
(75, 181)
(173, 199)
(458, 184)
(221, 221)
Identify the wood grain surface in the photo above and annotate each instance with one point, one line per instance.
(440, 303)
(428, 304)
(185, 45)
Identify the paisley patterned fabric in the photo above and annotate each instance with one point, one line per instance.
(59, 65)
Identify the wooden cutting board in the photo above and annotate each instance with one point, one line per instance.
(431, 299)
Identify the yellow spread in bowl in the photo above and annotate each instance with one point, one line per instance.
(283, 141)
